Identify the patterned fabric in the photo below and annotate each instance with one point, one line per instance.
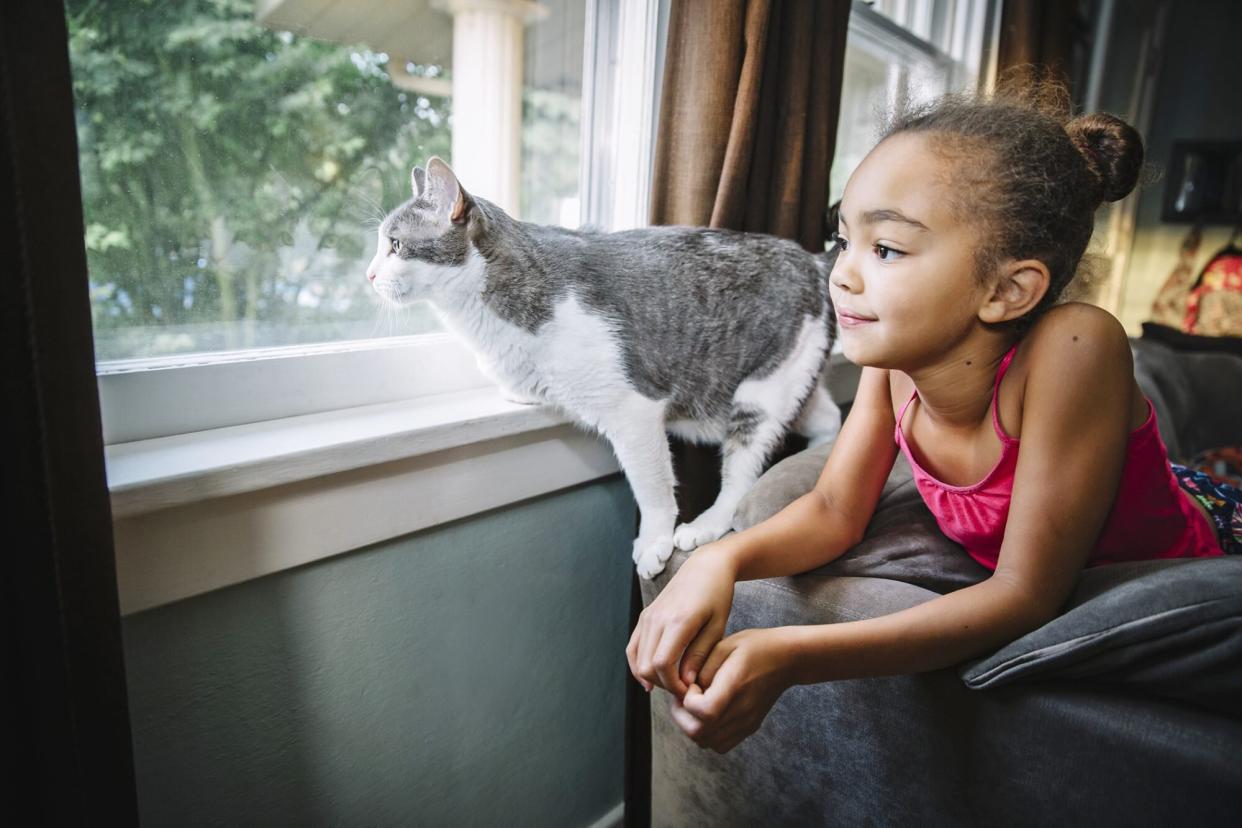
(1222, 501)
(1169, 307)
(1225, 464)
(1214, 306)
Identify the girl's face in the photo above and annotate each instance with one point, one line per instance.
(904, 284)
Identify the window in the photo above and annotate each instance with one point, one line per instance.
(236, 156)
(898, 51)
(233, 170)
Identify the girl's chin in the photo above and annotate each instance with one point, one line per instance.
(862, 355)
(853, 345)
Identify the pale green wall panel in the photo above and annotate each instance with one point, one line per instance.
(472, 674)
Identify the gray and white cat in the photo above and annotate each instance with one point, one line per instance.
(714, 335)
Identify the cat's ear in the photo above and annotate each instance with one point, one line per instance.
(446, 191)
(418, 178)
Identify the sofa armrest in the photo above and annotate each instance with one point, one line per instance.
(902, 541)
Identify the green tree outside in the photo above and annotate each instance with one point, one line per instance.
(232, 176)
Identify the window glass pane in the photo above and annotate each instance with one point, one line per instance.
(551, 114)
(879, 72)
(236, 157)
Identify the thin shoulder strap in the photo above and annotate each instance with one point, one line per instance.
(1000, 374)
(901, 416)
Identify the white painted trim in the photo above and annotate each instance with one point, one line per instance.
(612, 819)
(223, 539)
(148, 475)
(147, 398)
(635, 116)
(623, 63)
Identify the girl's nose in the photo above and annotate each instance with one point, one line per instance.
(844, 278)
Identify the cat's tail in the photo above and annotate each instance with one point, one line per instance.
(819, 419)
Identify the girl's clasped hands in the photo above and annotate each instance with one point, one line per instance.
(722, 687)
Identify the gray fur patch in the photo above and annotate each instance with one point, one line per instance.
(743, 422)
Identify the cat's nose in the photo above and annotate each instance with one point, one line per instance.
(370, 275)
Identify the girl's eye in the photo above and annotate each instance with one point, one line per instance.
(395, 245)
(838, 240)
(882, 249)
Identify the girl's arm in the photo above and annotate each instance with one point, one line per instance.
(676, 632)
(1075, 427)
(825, 522)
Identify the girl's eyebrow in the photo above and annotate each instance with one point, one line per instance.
(887, 214)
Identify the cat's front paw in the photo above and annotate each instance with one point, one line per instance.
(706, 528)
(650, 555)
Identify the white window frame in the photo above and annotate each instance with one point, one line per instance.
(962, 33)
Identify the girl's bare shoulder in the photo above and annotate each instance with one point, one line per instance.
(1077, 336)
(1077, 350)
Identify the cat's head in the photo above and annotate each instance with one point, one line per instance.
(424, 241)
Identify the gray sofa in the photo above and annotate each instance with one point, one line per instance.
(1125, 710)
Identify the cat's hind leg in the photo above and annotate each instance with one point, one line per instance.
(761, 412)
(635, 428)
(753, 433)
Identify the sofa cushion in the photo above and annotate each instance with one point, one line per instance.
(1195, 396)
(1173, 627)
(902, 542)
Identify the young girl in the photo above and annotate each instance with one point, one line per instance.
(1027, 435)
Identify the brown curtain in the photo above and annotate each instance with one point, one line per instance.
(748, 118)
(1040, 33)
(748, 123)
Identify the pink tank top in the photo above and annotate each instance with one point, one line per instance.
(1150, 517)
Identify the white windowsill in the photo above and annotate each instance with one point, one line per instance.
(147, 475)
(201, 511)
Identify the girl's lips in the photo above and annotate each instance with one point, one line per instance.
(851, 320)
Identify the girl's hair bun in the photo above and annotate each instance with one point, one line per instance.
(1112, 149)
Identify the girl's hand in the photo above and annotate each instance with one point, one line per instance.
(674, 635)
(744, 676)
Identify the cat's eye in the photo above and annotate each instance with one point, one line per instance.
(394, 245)
(882, 249)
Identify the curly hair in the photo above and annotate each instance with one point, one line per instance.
(1031, 175)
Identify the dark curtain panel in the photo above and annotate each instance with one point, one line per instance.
(748, 123)
(66, 724)
(1040, 33)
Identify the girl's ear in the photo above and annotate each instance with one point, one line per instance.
(1017, 291)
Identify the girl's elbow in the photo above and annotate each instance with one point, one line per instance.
(1026, 609)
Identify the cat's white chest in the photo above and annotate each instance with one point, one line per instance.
(581, 358)
(573, 360)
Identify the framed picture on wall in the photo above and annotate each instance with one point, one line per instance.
(1204, 183)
